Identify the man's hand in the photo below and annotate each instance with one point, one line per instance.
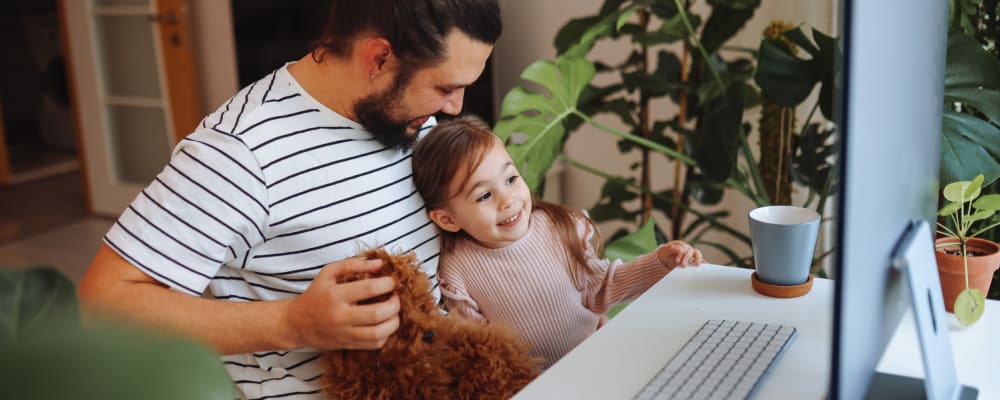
(327, 315)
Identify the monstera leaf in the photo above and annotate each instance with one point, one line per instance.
(786, 79)
(811, 164)
(532, 122)
(970, 143)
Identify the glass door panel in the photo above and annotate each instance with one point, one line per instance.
(137, 126)
(127, 54)
(140, 142)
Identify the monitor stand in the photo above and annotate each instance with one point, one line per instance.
(914, 256)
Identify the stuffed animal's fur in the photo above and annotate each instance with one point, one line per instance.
(431, 355)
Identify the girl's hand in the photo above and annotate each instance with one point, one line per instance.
(676, 253)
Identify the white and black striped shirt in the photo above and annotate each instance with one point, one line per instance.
(269, 189)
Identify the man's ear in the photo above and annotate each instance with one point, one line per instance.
(376, 52)
(443, 220)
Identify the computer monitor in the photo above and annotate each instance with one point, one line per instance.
(891, 107)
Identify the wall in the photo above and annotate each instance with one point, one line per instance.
(529, 29)
(215, 53)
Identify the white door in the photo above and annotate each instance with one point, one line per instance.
(133, 81)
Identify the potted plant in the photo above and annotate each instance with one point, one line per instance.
(966, 262)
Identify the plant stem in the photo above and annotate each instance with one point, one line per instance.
(697, 42)
(636, 139)
(984, 229)
(965, 261)
(830, 178)
(644, 124)
(761, 196)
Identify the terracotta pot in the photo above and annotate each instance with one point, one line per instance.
(952, 270)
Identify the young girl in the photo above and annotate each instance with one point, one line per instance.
(509, 258)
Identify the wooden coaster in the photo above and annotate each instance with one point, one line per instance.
(780, 291)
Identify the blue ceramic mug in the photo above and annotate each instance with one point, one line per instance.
(783, 240)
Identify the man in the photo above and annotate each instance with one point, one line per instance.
(239, 240)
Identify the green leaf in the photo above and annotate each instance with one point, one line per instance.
(984, 101)
(704, 190)
(813, 150)
(968, 145)
(32, 301)
(949, 209)
(968, 148)
(969, 306)
(571, 33)
(783, 78)
(989, 202)
(787, 80)
(603, 27)
(968, 65)
(727, 18)
(798, 36)
(979, 215)
(974, 189)
(827, 62)
(538, 119)
(716, 142)
(956, 191)
(636, 244)
(624, 17)
(112, 362)
(613, 195)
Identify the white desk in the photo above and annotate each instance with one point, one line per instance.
(623, 355)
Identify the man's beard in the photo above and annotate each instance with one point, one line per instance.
(373, 113)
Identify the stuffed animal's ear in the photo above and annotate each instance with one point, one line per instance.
(443, 219)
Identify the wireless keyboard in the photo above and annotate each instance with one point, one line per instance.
(723, 360)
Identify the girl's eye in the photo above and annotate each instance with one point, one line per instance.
(512, 179)
(483, 197)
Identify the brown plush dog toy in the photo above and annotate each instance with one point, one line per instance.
(431, 355)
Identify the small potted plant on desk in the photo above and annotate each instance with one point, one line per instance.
(965, 262)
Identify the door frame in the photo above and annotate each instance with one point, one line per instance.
(181, 99)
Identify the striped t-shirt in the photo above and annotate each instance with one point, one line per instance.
(529, 285)
(269, 189)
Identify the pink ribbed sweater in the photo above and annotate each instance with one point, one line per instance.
(528, 285)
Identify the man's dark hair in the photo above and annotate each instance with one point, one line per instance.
(416, 29)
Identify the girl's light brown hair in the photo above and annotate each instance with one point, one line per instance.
(456, 148)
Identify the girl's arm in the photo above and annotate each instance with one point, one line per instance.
(614, 282)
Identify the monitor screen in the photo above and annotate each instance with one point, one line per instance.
(891, 107)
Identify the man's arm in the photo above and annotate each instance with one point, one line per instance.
(325, 316)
